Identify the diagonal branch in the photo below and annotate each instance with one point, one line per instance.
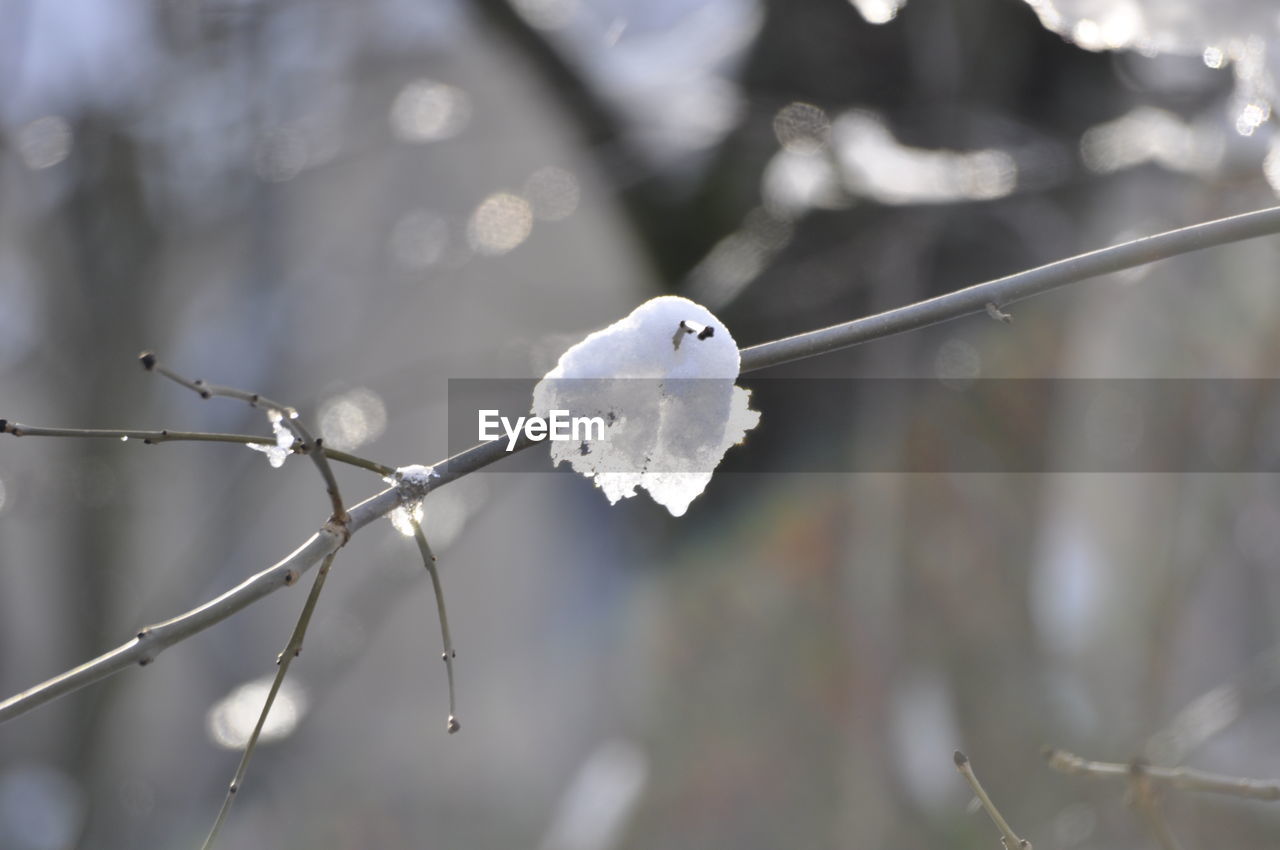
(1008, 837)
(1004, 291)
(963, 302)
(152, 640)
(291, 651)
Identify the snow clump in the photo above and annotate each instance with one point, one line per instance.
(662, 380)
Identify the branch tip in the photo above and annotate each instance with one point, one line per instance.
(454, 725)
(148, 360)
(960, 759)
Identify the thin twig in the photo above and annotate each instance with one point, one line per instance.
(1015, 287)
(291, 651)
(310, 445)
(429, 561)
(17, 429)
(1182, 778)
(1147, 803)
(1008, 837)
(954, 305)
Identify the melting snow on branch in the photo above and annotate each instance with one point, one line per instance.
(662, 381)
(411, 481)
(277, 454)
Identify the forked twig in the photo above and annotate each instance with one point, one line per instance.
(17, 429)
(1008, 837)
(311, 446)
(291, 651)
(950, 306)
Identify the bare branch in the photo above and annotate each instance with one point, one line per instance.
(17, 429)
(1006, 290)
(291, 651)
(1182, 778)
(953, 305)
(152, 640)
(310, 445)
(1008, 837)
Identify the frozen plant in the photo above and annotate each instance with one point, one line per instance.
(662, 379)
(412, 483)
(279, 453)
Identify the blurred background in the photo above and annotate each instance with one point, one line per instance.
(344, 204)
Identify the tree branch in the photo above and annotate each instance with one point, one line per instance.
(17, 429)
(1008, 837)
(1006, 290)
(1182, 778)
(291, 651)
(311, 446)
(150, 641)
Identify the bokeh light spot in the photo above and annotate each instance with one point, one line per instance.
(231, 720)
(44, 142)
(1271, 165)
(499, 224)
(1251, 117)
(802, 128)
(428, 111)
(878, 11)
(350, 420)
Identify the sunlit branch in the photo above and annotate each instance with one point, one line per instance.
(1008, 837)
(152, 640)
(1004, 291)
(291, 651)
(954, 305)
(289, 416)
(1181, 778)
(18, 429)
